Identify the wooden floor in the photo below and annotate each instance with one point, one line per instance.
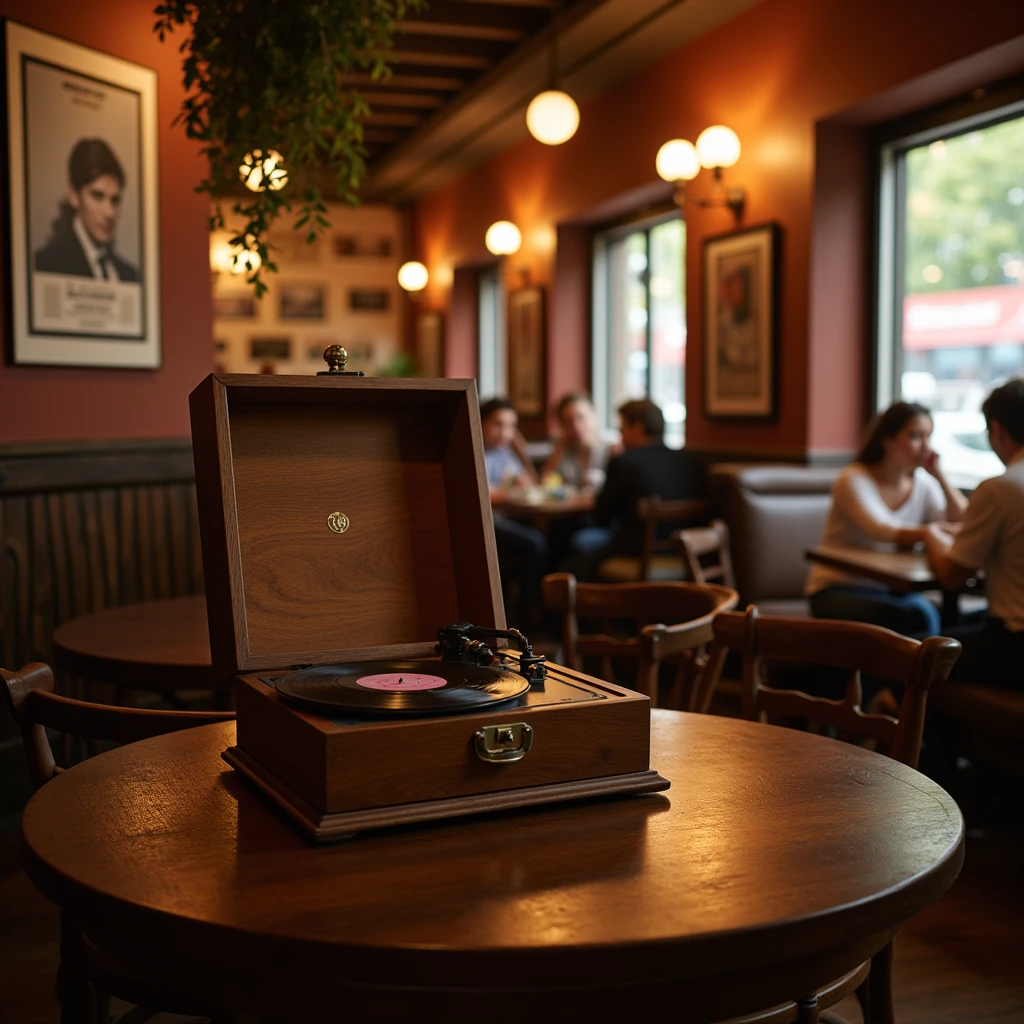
(959, 962)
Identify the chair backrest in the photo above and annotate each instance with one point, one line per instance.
(854, 647)
(34, 706)
(688, 608)
(774, 512)
(705, 553)
(653, 513)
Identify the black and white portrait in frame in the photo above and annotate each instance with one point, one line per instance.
(82, 144)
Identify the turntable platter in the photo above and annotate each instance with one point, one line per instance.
(401, 687)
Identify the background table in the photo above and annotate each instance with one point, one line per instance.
(902, 572)
(542, 513)
(155, 645)
(777, 861)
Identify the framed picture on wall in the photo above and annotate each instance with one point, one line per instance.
(430, 343)
(302, 302)
(526, 351)
(740, 323)
(82, 205)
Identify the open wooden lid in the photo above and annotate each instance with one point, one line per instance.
(342, 518)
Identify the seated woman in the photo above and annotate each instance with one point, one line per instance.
(883, 501)
(579, 456)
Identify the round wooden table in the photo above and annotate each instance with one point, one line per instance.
(777, 861)
(154, 645)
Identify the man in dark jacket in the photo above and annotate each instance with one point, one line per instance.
(82, 242)
(646, 467)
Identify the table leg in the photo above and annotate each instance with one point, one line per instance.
(950, 607)
(72, 981)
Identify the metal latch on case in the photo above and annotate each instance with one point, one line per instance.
(502, 744)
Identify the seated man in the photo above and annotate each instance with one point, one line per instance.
(992, 538)
(646, 467)
(522, 550)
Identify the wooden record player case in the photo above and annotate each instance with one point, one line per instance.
(347, 519)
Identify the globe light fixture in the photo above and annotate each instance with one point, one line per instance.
(552, 117)
(718, 146)
(261, 171)
(677, 160)
(680, 161)
(413, 276)
(503, 238)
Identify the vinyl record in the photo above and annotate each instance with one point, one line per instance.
(401, 687)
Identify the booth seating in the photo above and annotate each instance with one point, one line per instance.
(987, 724)
(774, 514)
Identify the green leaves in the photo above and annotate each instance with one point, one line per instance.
(266, 74)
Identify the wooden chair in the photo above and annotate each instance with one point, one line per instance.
(87, 976)
(658, 559)
(705, 553)
(766, 642)
(688, 606)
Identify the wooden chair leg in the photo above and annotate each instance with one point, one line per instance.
(76, 1005)
(807, 1010)
(881, 1008)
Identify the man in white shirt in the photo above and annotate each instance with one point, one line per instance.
(992, 538)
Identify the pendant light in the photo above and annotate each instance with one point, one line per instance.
(552, 116)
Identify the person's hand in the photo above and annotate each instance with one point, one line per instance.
(931, 463)
(940, 533)
(499, 496)
(952, 529)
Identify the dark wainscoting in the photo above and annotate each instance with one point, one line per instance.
(85, 526)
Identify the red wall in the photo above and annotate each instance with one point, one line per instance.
(70, 404)
(772, 74)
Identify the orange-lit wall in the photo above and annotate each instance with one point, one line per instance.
(39, 403)
(773, 74)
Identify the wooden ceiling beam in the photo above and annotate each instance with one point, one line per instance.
(432, 83)
(427, 59)
(459, 30)
(393, 118)
(401, 99)
(546, 5)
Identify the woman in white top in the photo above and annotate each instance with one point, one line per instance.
(884, 500)
(579, 452)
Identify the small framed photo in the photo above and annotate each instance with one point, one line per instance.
(430, 343)
(303, 302)
(270, 348)
(526, 351)
(740, 323)
(369, 300)
(234, 307)
(82, 205)
(352, 245)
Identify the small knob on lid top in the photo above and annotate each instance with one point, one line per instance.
(336, 357)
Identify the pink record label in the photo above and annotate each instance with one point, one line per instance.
(401, 681)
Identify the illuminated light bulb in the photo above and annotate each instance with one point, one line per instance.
(413, 276)
(718, 146)
(552, 117)
(503, 238)
(261, 171)
(677, 160)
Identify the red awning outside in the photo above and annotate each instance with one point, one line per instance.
(964, 318)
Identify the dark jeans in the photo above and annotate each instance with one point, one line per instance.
(910, 614)
(992, 654)
(522, 556)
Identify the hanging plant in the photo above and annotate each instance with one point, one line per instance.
(266, 96)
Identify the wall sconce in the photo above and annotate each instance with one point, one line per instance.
(413, 278)
(232, 259)
(261, 171)
(552, 116)
(503, 238)
(680, 161)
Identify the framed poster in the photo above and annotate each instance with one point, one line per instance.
(369, 300)
(430, 343)
(526, 390)
(740, 310)
(302, 302)
(82, 205)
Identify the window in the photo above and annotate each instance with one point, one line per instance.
(951, 277)
(492, 372)
(639, 321)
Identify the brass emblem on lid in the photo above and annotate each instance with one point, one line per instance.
(338, 522)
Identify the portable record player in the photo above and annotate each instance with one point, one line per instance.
(347, 542)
